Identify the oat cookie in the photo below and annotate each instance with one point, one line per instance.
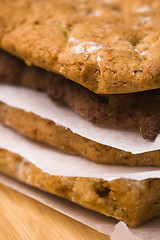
(106, 46)
(124, 199)
(46, 131)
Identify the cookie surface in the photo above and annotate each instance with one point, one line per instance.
(46, 131)
(138, 111)
(106, 46)
(129, 200)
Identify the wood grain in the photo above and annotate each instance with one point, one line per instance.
(22, 218)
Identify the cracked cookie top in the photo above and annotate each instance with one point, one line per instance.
(108, 46)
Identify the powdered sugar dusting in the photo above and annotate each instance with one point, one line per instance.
(136, 50)
(143, 53)
(99, 59)
(85, 47)
(78, 49)
(143, 9)
(94, 47)
(140, 53)
(144, 20)
(72, 39)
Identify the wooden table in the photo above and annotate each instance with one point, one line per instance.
(22, 218)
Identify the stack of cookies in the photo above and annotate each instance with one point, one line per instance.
(72, 75)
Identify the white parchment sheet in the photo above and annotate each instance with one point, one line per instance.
(40, 104)
(116, 230)
(108, 226)
(55, 162)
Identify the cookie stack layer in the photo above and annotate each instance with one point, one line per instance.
(100, 58)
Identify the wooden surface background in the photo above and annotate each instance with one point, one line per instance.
(22, 218)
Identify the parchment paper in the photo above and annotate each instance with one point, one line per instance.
(40, 104)
(58, 163)
(108, 226)
(46, 157)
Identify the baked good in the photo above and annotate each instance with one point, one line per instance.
(106, 46)
(44, 130)
(136, 111)
(129, 200)
(131, 111)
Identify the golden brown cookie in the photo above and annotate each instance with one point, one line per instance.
(106, 46)
(47, 131)
(129, 200)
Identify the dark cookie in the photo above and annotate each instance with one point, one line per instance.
(130, 111)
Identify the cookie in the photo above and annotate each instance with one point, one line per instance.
(129, 200)
(138, 111)
(46, 131)
(109, 47)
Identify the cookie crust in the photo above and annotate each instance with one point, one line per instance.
(46, 131)
(108, 47)
(129, 200)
